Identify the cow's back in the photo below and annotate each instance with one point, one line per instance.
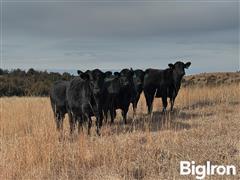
(153, 78)
(77, 91)
(112, 85)
(80, 96)
(58, 93)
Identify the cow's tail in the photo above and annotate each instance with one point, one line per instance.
(55, 112)
(55, 109)
(155, 94)
(91, 108)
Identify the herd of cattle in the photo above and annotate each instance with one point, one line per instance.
(95, 93)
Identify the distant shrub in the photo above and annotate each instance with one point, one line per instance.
(18, 82)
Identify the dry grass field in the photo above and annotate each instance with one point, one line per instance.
(204, 127)
(212, 79)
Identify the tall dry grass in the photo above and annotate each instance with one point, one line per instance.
(205, 126)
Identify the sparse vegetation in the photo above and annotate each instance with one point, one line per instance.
(18, 82)
(212, 79)
(204, 127)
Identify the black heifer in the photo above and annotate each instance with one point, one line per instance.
(82, 102)
(126, 91)
(110, 96)
(97, 79)
(59, 102)
(163, 83)
(138, 79)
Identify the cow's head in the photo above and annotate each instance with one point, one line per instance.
(112, 83)
(179, 67)
(97, 80)
(85, 76)
(79, 72)
(138, 79)
(116, 74)
(107, 74)
(126, 77)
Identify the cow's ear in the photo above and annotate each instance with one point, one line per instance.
(186, 65)
(90, 74)
(85, 76)
(117, 74)
(79, 72)
(171, 66)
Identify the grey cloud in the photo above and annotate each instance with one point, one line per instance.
(151, 19)
(121, 34)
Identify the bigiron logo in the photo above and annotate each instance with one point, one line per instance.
(201, 171)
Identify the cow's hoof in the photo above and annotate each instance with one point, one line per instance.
(98, 133)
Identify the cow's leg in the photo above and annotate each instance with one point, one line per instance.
(133, 105)
(134, 108)
(57, 118)
(124, 114)
(135, 102)
(106, 115)
(112, 110)
(112, 114)
(172, 99)
(164, 100)
(72, 121)
(100, 122)
(98, 126)
(172, 103)
(72, 125)
(149, 100)
(80, 124)
(61, 123)
(62, 115)
(89, 124)
(80, 127)
(100, 117)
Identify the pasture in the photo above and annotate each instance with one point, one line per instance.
(205, 126)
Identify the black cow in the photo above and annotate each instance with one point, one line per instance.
(163, 83)
(126, 91)
(111, 92)
(97, 79)
(59, 102)
(82, 103)
(138, 79)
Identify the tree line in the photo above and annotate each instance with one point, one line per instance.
(19, 82)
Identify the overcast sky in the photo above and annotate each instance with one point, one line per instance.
(114, 34)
